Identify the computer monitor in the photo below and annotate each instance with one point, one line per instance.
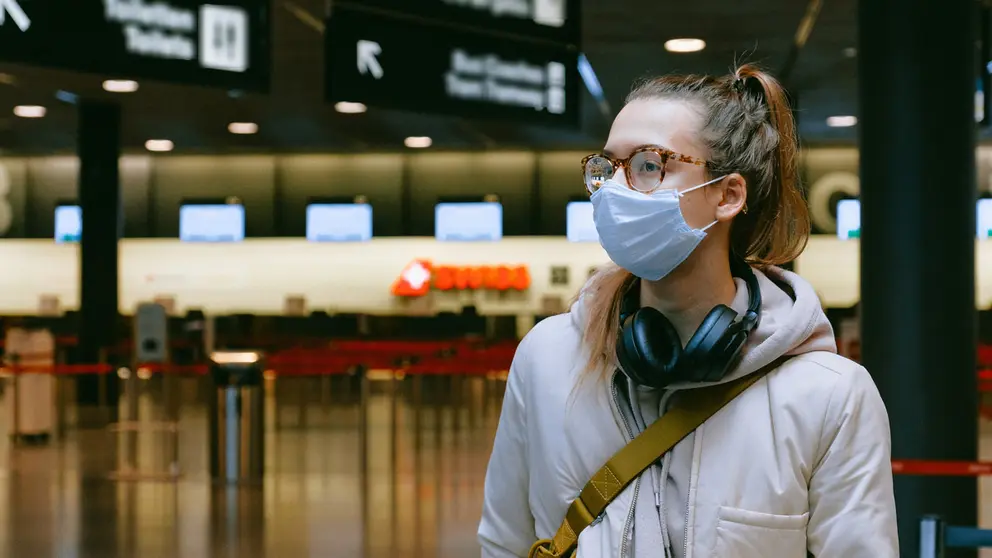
(220, 222)
(984, 219)
(339, 222)
(68, 223)
(468, 221)
(579, 223)
(848, 219)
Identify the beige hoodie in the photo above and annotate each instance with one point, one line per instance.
(792, 322)
(799, 461)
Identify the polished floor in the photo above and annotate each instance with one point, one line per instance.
(417, 492)
(393, 470)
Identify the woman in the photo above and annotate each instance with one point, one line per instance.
(698, 174)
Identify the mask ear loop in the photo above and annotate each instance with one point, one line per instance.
(687, 190)
(703, 185)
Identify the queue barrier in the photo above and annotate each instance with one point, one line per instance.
(940, 468)
(464, 361)
(936, 536)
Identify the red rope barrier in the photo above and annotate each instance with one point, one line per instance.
(941, 468)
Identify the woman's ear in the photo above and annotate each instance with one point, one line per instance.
(734, 198)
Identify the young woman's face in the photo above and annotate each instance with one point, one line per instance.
(671, 125)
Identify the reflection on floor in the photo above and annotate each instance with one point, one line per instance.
(425, 451)
(420, 496)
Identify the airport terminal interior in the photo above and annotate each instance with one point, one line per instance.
(267, 263)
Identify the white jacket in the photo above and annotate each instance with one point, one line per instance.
(800, 461)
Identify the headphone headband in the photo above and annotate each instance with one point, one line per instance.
(739, 268)
(649, 349)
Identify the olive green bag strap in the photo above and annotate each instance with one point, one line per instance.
(691, 410)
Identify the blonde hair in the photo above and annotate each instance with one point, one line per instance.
(748, 128)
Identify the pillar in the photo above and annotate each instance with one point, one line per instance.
(916, 84)
(100, 200)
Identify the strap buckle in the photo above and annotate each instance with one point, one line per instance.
(543, 548)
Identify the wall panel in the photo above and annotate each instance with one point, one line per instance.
(13, 193)
(534, 187)
(508, 174)
(50, 180)
(379, 177)
(249, 177)
(560, 181)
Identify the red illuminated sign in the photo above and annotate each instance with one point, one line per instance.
(419, 276)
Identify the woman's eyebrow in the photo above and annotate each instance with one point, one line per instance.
(610, 154)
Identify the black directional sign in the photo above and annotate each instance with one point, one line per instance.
(456, 57)
(555, 21)
(221, 43)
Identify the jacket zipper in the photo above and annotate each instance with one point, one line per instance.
(637, 485)
(688, 502)
(685, 526)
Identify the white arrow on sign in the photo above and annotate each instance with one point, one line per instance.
(367, 61)
(21, 19)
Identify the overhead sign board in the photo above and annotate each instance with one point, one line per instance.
(225, 43)
(432, 67)
(553, 21)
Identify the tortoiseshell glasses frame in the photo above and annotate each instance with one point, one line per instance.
(665, 155)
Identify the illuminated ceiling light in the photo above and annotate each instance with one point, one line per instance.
(30, 111)
(850, 52)
(159, 145)
(345, 107)
(417, 142)
(685, 45)
(120, 86)
(243, 128)
(842, 121)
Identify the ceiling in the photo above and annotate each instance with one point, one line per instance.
(623, 40)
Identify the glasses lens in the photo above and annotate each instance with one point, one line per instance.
(598, 170)
(647, 169)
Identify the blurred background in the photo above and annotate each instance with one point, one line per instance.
(265, 263)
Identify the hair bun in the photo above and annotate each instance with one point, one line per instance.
(747, 82)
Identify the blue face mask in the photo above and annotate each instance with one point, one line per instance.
(645, 234)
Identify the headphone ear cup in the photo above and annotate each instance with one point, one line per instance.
(728, 349)
(704, 357)
(649, 349)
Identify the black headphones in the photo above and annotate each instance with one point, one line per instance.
(649, 349)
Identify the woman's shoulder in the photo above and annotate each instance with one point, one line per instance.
(551, 348)
(834, 388)
(829, 370)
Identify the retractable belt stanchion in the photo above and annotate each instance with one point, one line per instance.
(936, 536)
(363, 452)
(237, 417)
(150, 350)
(15, 431)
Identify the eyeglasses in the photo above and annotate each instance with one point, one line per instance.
(645, 168)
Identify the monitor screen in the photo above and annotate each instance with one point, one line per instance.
(579, 224)
(68, 223)
(339, 222)
(985, 219)
(468, 221)
(222, 222)
(848, 219)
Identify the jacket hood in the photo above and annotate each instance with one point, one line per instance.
(792, 322)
